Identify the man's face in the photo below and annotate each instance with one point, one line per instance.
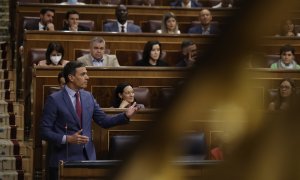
(47, 17)
(73, 20)
(205, 17)
(97, 50)
(121, 14)
(149, 2)
(80, 79)
(287, 57)
(186, 1)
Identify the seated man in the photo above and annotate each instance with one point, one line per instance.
(148, 3)
(287, 59)
(188, 54)
(73, 2)
(96, 57)
(45, 23)
(206, 27)
(71, 22)
(186, 3)
(121, 25)
(224, 4)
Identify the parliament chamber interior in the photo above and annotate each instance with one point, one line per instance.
(218, 99)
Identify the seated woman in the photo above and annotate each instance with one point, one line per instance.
(54, 55)
(287, 28)
(286, 96)
(151, 55)
(124, 96)
(287, 59)
(169, 24)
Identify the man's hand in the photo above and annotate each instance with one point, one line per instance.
(50, 27)
(74, 27)
(76, 138)
(131, 110)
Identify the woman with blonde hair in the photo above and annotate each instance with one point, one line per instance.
(169, 24)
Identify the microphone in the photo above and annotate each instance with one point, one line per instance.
(67, 149)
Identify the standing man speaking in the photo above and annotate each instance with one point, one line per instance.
(67, 119)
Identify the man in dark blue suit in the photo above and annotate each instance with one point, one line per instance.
(121, 25)
(67, 119)
(186, 4)
(206, 26)
(71, 22)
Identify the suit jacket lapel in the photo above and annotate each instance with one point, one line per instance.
(69, 105)
(115, 27)
(105, 60)
(90, 60)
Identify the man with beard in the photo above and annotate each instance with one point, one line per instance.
(45, 23)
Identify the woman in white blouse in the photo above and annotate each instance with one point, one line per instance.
(169, 24)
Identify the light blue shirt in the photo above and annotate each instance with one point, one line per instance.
(72, 96)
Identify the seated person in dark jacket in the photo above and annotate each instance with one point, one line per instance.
(188, 54)
(186, 3)
(124, 96)
(71, 22)
(45, 23)
(205, 27)
(151, 55)
(121, 25)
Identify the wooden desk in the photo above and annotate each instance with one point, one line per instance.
(103, 169)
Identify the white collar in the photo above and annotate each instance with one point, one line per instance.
(189, 5)
(125, 26)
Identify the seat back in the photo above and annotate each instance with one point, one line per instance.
(119, 145)
(36, 54)
(152, 26)
(142, 96)
(165, 95)
(30, 20)
(193, 146)
(87, 23)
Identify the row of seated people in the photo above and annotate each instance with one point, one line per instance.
(125, 95)
(152, 55)
(176, 3)
(168, 24)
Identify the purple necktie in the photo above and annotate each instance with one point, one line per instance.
(78, 107)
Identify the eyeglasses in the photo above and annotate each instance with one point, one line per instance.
(285, 87)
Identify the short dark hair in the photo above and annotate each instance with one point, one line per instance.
(119, 89)
(71, 11)
(287, 48)
(70, 68)
(51, 47)
(147, 50)
(186, 43)
(45, 10)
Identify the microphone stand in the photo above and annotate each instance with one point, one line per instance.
(67, 149)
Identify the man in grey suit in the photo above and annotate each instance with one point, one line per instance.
(96, 57)
(121, 25)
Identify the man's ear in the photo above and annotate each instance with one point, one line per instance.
(71, 77)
